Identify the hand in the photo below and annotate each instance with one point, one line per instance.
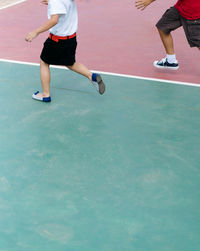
(31, 36)
(142, 4)
(45, 2)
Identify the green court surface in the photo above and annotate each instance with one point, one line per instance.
(98, 173)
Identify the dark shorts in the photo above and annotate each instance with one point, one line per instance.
(171, 20)
(59, 53)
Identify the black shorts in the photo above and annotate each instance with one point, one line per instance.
(171, 20)
(59, 53)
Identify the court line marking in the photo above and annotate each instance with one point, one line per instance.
(108, 73)
(12, 4)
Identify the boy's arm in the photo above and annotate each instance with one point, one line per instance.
(142, 4)
(45, 2)
(46, 26)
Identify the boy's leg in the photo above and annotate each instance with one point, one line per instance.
(169, 61)
(167, 41)
(81, 69)
(93, 77)
(45, 78)
(170, 21)
(45, 81)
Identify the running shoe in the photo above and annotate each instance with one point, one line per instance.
(43, 99)
(164, 64)
(98, 83)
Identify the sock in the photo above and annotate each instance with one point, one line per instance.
(94, 77)
(171, 58)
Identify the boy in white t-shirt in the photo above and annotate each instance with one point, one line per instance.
(60, 47)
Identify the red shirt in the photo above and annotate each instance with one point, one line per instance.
(189, 9)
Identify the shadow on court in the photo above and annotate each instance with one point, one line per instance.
(90, 172)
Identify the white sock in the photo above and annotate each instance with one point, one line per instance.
(171, 58)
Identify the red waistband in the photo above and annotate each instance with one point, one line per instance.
(57, 38)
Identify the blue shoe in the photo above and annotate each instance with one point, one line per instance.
(43, 99)
(163, 64)
(98, 83)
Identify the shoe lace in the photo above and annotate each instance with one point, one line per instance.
(163, 60)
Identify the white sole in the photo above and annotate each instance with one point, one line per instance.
(37, 98)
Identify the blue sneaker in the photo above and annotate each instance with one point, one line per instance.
(163, 64)
(43, 99)
(98, 83)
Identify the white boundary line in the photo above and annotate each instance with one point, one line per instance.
(108, 73)
(12, 4)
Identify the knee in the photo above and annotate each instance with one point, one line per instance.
(159, 30)
(163, 32)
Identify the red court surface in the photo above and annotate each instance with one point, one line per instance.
(113, 37)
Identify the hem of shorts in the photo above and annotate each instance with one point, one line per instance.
(53, 63)
(193, 46)
(165, 31)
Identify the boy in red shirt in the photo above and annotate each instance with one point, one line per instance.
(184, 13)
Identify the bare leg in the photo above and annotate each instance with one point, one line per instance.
(81, 69)
(167, 42)
(45, 78)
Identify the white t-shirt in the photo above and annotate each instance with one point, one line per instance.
(68, 17)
